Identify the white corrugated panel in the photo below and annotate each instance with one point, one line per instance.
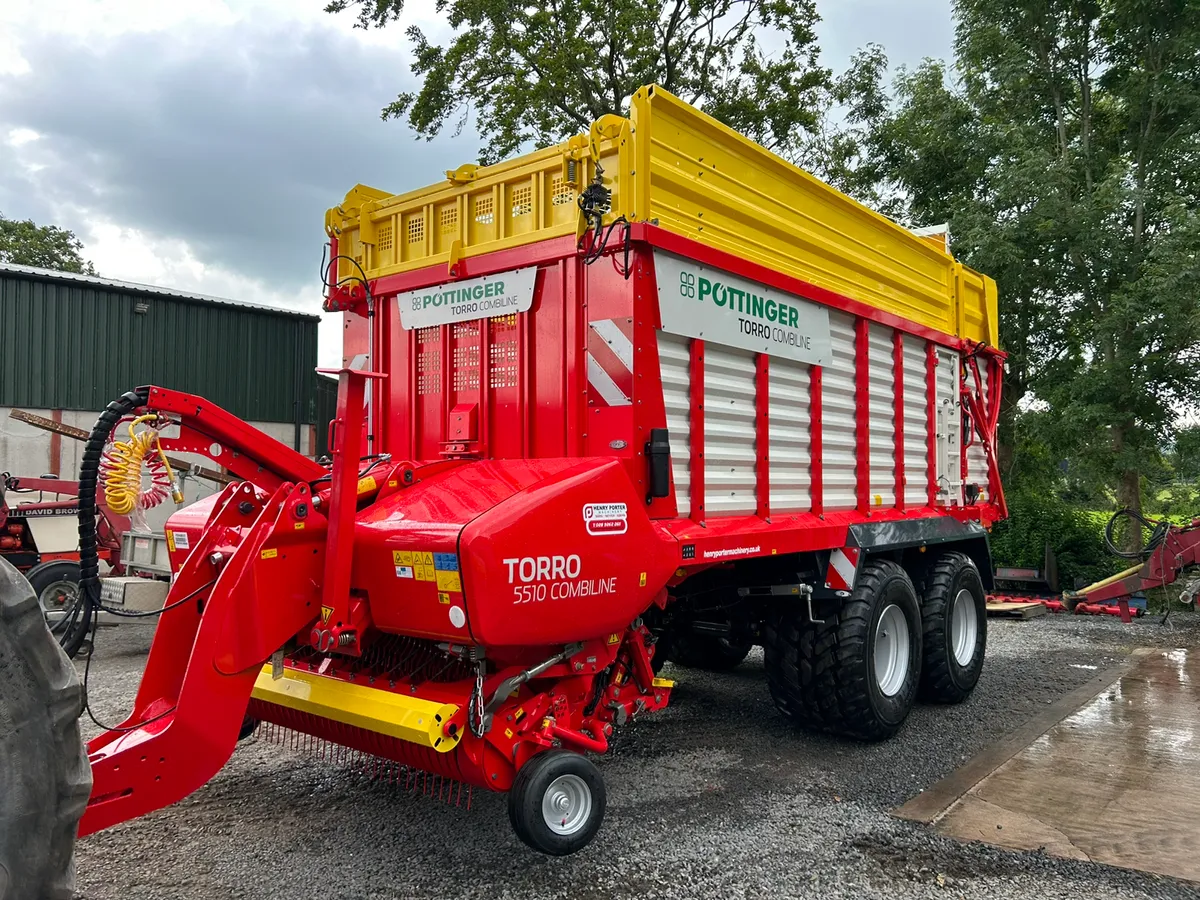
(790, 444)
(674, 360)
(916, 422)
(949, 427)
(882, 406)
(837, 416)
(729, 432)
(977, 471)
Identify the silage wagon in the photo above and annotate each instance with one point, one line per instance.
(652, 394)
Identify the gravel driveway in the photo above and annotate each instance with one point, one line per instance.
(716, 797)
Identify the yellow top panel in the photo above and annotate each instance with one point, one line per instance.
(674, 166)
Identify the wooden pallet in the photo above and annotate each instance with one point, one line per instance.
(1016, 610)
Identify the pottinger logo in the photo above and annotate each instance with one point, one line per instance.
(606, 518)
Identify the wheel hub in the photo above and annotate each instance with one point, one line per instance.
(567, 804)
(891, 650)
(964, 627)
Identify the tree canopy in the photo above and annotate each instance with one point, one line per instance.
(533, 74)
(46, 246)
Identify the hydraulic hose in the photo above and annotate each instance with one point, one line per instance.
(89, 477)
(1158, 534)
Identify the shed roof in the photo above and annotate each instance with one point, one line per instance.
(133, 287)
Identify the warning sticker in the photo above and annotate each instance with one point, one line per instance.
(402, 558)
(270, 554)
(423, 565)
(443, 597)
(404, 571)
(445, 562)
(449, 581)
(367, 484)
(326, 614)
(606, 518)
(181, 539)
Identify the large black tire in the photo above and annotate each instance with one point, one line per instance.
(72, 628)
(44, 775)
(822, 675)
(714, 654)
(948, 635)
(540, 776)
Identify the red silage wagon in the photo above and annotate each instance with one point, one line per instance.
(649, 395)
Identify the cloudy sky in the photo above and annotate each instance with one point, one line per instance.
(196, 144)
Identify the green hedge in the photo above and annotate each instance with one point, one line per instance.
(1075, 535)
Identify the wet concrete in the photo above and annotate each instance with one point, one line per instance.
(1116, 782)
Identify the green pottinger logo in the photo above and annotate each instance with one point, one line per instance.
(458, 295)
(737, 300)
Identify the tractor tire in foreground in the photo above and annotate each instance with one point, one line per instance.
(44, 775)
(856, 674)
(954, 621)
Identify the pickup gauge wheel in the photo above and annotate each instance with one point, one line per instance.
(557, 802)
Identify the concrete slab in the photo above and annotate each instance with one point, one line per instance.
(1116, 781)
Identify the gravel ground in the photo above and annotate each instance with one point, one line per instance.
(716, 797)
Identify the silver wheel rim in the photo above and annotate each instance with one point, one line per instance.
(567, 804)
(891, 650)
(57, 601)
(964, 627)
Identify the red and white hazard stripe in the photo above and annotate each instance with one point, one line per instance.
(842, 564)
(610, 362)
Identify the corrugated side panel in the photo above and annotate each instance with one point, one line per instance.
(977, 471)
(837, 416)
(916, 423)
(790, 447)
(882, 403)
(674, 359)
(729, 475)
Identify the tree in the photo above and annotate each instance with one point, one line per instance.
(44, 246)
(1066, 157)
(533, 74)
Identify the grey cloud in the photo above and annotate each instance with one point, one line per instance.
(234, 140)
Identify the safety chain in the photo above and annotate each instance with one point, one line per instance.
(476, 717)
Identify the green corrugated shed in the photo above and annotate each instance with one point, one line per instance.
(75, 342)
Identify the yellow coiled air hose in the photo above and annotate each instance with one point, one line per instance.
(123, 470)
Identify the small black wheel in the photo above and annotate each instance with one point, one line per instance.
(56, 585)
(954, 625)
(854, 674)
(713, 654)
(557, 802)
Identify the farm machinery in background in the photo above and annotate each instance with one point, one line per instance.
(1168, 551)
(39, 536)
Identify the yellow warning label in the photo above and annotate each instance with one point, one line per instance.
(402, 558)
(878, 500)
(642, 580)
(663, 683)
(270, 554)
(449, 581)
(367, 484)
(299, 526)
(326, 613)
(443, 597)
(614, 638)
(423, 566)
(518, 715)
(393, 483)
(171, 541)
